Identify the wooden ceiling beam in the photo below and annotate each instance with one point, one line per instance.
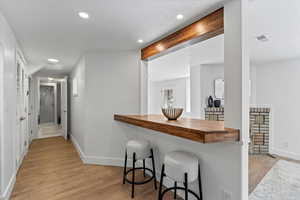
(203, 29)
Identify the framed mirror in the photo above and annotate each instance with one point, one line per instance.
(219, 88)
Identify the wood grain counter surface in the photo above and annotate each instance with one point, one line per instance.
(193, 129)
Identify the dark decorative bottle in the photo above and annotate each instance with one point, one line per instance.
(217, 103)
(210, 102)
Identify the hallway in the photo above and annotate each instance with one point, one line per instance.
(52, 170)
(49, 130)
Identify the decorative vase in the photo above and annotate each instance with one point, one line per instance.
(210, 102)
(172, 113)
(217, 103)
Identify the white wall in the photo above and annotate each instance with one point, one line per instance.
(278, 87)
(8, 166)
(112, 85)
(78, 109)
(209, 73)
(179, 87)
(203, 85)
(36, 105)
(170, 66)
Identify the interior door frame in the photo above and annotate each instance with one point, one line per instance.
(54, 85)
(1, 111)
(64, 106)
(22, 135)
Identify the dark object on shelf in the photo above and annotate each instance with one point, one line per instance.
(217, 103)
(210, 102)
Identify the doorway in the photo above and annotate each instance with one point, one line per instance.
(52, 107)
(47, 104)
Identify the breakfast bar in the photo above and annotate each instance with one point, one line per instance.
(202, 131)
(217, 147)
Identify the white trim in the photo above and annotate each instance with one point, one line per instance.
(7, 193)
(24, 153)
(1, 114)
(78, 148)
(107, 161)
(285, 154)
(95, 160)
(119, 162)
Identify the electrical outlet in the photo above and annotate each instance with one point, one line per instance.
(226, 195)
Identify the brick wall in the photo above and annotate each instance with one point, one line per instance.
(259, 127)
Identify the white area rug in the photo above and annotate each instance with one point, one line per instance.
(282, 182)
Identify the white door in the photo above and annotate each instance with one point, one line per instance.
(21, 137)
(64, 107)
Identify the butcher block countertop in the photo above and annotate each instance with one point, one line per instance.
(202, 131)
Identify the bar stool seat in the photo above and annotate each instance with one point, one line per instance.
(182, 167)
(141, 148)
(177, 163)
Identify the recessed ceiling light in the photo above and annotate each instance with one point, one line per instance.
(179, 16)
(53, 60)
(84, 15)
(50, 79)
(140, 41)
(262, 38)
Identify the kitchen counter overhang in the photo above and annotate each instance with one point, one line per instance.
(202, 131)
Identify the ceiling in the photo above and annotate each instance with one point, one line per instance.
(52, 29)
(278, 21)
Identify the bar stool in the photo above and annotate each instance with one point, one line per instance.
(138, 150)
(182, 167)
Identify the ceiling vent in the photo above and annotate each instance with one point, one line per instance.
(262, 38)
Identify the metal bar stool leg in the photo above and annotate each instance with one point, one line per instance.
(133, 176)
(175, 190)
(200, 183)
(153, 168)
(186, 186)
(125, 168)
(161, 182)
(144, 166)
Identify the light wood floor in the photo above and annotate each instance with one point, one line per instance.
(52, 170)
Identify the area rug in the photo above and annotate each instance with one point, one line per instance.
(282, 182)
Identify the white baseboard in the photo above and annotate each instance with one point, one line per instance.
(119, 162)
(78, 148)
(107, 161)
(95, 160)
(7, 192)
(285, 154)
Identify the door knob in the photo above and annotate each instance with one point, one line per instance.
(22, 118)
